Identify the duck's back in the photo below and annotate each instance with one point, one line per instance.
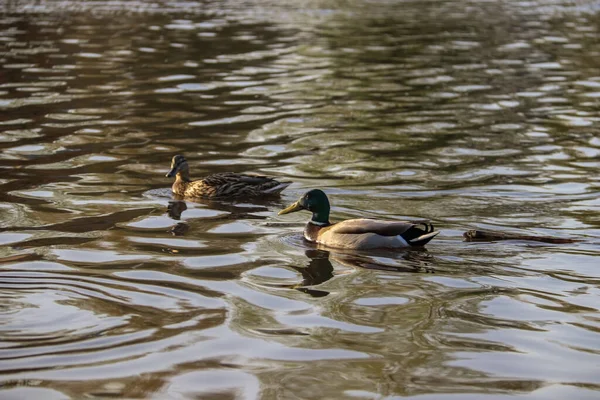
(365, 234)
(229, 184)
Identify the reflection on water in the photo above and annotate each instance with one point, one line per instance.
(477, 115)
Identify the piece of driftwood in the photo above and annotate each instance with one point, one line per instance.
(476, 235)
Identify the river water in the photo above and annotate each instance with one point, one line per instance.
(474, 114)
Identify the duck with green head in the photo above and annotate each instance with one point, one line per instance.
(221, 185)
(358, 234)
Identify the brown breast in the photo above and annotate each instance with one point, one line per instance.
(178, 187)
(311, 231)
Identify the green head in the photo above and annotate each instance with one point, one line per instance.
(315, 201)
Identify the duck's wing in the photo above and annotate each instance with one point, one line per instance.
(229, 183)
(225, 178)
(413, 232)
(380, 227)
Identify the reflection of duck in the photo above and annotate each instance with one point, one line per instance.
(230, 211)
(415, 260)
(221, 185)
(358, 234)
(175, 208)
(320, 269)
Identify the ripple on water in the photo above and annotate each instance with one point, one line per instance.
(112, 287)
(78, 321)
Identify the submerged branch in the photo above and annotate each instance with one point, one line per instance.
(476, 235)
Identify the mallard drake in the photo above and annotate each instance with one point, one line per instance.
(357, 234)
(221, 185)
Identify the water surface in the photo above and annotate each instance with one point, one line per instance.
(472, 114)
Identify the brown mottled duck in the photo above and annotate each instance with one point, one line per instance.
(357, 234)
(221, 185)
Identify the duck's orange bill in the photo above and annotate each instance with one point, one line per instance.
(171, 173)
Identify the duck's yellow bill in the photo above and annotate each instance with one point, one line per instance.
(293, 208)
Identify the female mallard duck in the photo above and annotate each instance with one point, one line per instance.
(221, 185)
(358, 234)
